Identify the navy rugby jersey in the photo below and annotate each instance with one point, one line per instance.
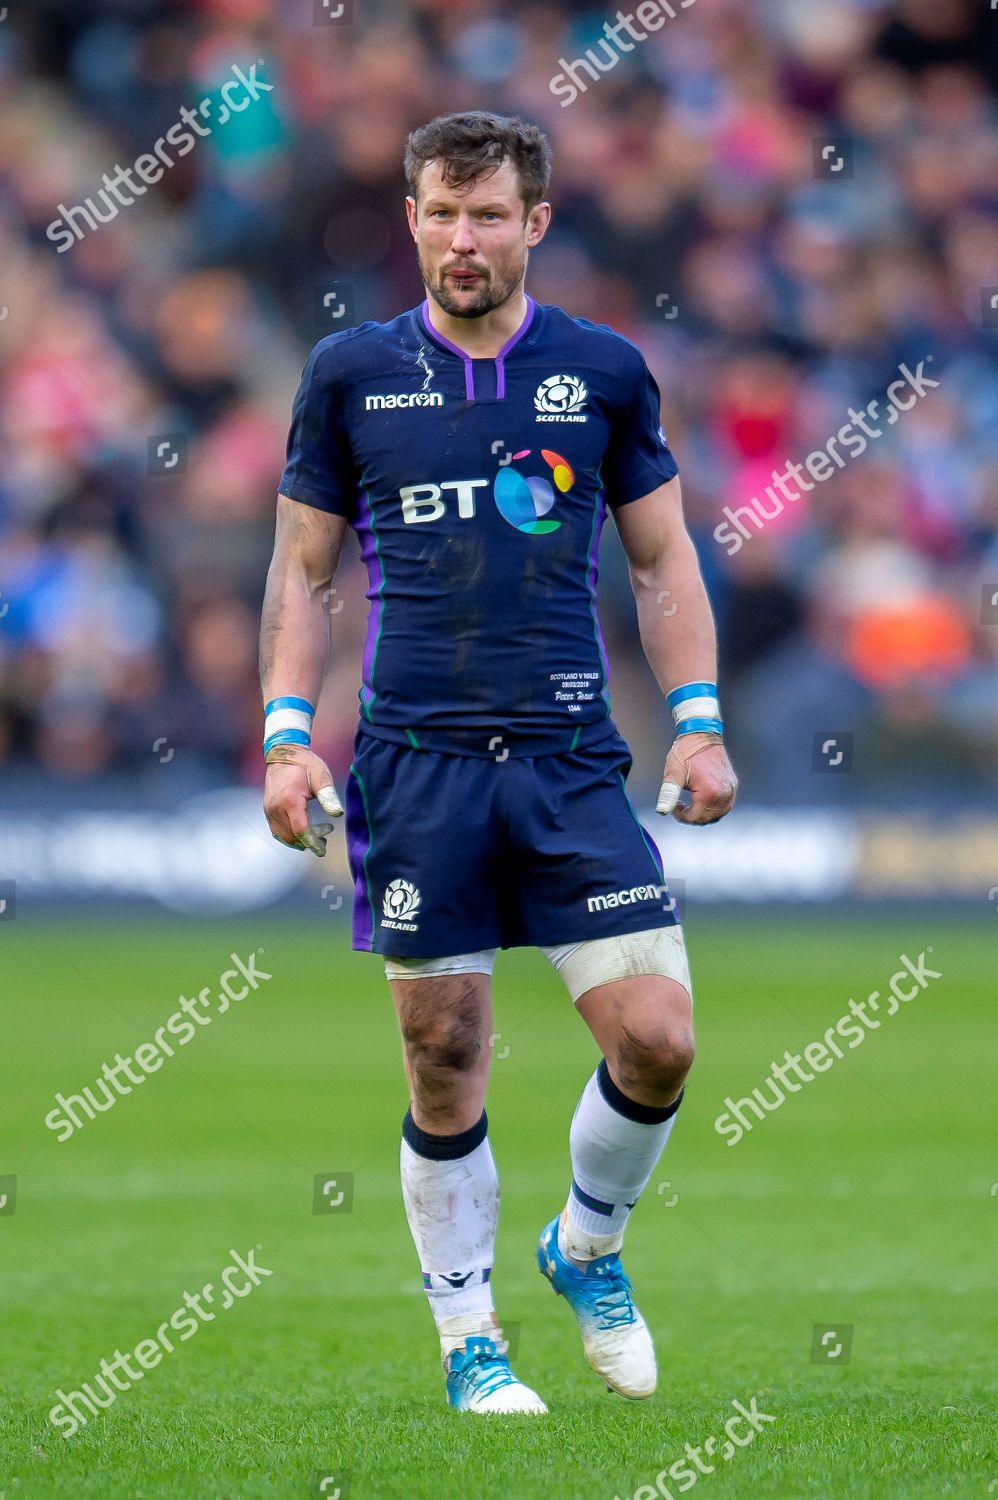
(478, 489)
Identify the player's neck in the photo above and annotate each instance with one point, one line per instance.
(484, 337)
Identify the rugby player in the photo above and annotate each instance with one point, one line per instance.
(475, 444)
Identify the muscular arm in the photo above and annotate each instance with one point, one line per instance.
(677, 636)
(674, 616)
(294, 650)
(294, 629)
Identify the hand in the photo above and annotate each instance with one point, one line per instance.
(293, 775)
(700, 762)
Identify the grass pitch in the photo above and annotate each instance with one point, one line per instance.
(865, 1208)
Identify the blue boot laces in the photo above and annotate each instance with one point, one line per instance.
(485, 1368)
(614, 1306)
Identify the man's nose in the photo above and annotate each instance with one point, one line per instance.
(464, 242)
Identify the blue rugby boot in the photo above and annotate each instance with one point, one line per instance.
(615, 1337)
(479, 1379)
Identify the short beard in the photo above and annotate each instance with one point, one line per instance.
(491, 294)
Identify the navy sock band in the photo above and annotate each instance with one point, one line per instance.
(443, 1147)
(596, 1205)
(643, 1114)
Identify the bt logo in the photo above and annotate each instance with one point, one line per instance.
(525, 502)
(522, 501)
(425, 502)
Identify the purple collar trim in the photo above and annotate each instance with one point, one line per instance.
(469, 370)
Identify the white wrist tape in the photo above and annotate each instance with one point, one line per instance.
(288, 722)
(695, 709)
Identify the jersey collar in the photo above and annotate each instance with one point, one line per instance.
(469, 369)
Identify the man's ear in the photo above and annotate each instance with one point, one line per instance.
(412, 214)
(538, 220)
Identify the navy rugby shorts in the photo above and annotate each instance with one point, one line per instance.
(455, 852)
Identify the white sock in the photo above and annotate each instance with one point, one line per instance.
(615, 1145)
(451, 1193)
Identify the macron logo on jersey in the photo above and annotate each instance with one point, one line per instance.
(403, 399)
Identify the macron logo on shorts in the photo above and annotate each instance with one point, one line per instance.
(626, 898)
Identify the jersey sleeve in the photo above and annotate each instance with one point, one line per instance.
(319, 470)
(638, 457)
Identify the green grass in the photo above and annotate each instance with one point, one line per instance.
(866, 1200)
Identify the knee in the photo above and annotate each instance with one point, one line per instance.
(442, 1047)
(447, 1040)
(655, 1057)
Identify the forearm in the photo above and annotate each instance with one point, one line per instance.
(294, 629)
(674, 617)
(294, 650)
(294, 632)
(680, 643)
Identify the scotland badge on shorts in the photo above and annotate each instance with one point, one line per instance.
(400, 904)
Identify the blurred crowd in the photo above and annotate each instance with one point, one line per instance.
(696, 209)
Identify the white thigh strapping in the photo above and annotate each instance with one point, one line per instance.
(659, 950)
(429, 968)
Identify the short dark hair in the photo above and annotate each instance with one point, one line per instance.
(476, 142)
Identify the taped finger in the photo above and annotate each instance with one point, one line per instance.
(328, 800)
(668, 797)
(314, 838)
